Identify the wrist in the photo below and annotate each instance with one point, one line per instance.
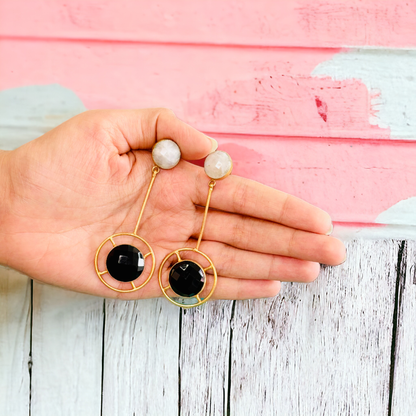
(5, 202)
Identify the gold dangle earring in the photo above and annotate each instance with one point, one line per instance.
(187, 278)
(125, 262)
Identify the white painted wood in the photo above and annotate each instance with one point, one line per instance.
(67, 352)
(14, 343)
(389, 76)
(322, 348)
(404, 397)
(141, 358)
(205, 346)
(27, 112)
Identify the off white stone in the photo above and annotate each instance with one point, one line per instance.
(218, 164)
(166, 154)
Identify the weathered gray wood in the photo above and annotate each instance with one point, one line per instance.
(205, 346)
(322, 348)
(14, 342)
(141, 358)
(30, 111)
(404, 358)
(67, 352)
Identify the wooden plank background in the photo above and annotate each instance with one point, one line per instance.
(314, 98)
(340, 345)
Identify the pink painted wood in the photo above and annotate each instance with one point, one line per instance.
(330, 23)
(239, 74)
(216, 89)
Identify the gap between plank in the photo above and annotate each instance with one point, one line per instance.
(196, 44)
(30, 362)
(102, 361)
(327, 139)
(397, 315)
(230, 360)
(179, 361)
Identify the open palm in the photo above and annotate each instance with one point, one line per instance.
(85, 180)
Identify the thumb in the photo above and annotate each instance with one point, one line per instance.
(143, 128)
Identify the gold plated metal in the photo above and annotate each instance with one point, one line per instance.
(190, 300)
(155, 171)
(199, 300)
(211, 188)
(157, 144)
(134, 287)
(168, 154)
(228, 173)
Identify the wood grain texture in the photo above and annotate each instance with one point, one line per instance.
(393, 98)
(322, 348)
(204, 354)
(273, 81)
(28, 112)
(15, 331)
(258, 91)
(352, 180)
(67, 352)
(264, 22)
(141, 358)
(355, 94)
(404, 352)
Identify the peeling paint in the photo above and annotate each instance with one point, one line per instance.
(390, 76)
(30, 111)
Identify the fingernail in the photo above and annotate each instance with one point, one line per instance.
(214, 145)
(331, 229)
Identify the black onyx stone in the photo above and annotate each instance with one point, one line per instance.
(186, 278)
(125, 263)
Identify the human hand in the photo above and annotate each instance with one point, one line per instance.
(85, 180)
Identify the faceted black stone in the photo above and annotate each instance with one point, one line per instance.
(186, 278)
(125, 263)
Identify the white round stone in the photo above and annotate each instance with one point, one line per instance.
(218, 164)
(166, 154)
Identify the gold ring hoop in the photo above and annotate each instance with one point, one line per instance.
(134, 287)
(200, 301)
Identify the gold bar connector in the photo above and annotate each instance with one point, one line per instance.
(211, 188)
(155, 171)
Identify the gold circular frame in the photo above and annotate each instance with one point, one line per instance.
(134, 287)
(211, 266)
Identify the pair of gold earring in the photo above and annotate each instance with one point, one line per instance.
(187, 280)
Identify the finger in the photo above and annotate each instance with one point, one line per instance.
(253, 234)
(244, 196)
(142, 128)
(239, 289)
(234, 263)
